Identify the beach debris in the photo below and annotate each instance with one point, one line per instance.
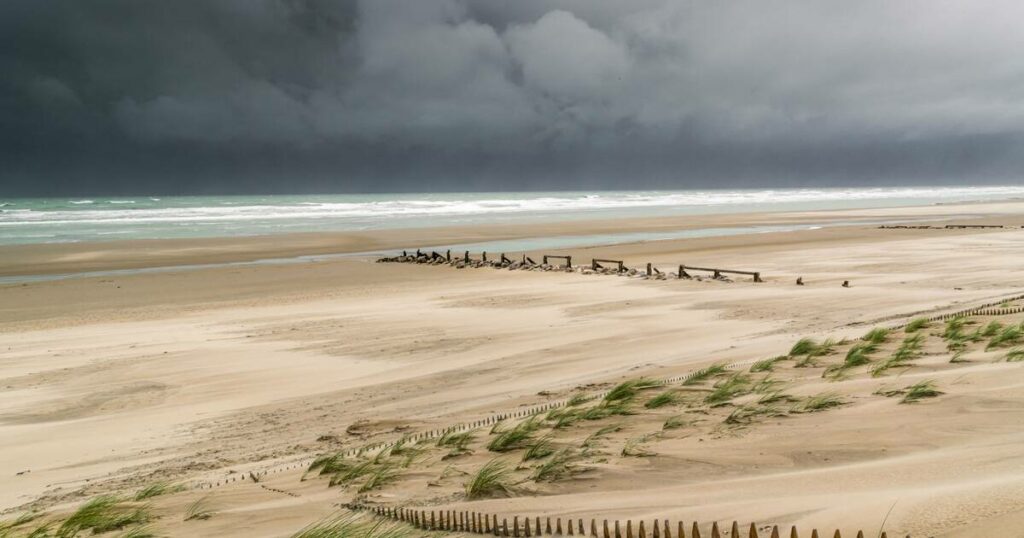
(846, 283)
(799, 281)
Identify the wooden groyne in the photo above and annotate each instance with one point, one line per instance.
(563, 263)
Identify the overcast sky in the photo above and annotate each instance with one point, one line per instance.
(147, 96)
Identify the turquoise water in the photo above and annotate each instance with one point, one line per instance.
(54, 220)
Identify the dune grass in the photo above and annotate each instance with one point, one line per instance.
(745, 414)
(916, 325)
(103, 514)
(593, 438)
(991, 329)
(605, 410)
(857, 355)
(876, 336)
(766, 365)
(819, 402)
(491, 480)
(803, 346)
(541, 448)
(200, 509)
(634, 448)
(516, 437)
(669, 397)
(627, 390)
(1014, 355)
(578, 399)
(919, 391)
(909, 350)
(1005, 336)
(559, 466)
(777, 397)
(456, 442)
(675, 422)
(350, 525)
(378, 478)
(156, 489)
(707, 373)
(725, 390)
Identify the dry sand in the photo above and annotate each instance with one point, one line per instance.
(109, 383)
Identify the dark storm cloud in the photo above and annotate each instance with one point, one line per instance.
(317, 95)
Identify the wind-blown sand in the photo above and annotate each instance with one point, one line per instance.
(109, 383)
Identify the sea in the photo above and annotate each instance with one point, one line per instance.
(102, 218)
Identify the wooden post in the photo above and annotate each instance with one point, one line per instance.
(545, 259)
(568, 261)
(735, 531)
(526, 527)
(618, 533)
(593, 529)
(753, 531)
(558, 526)
(547, 528)
(448, 255)
(656, 530)
(814, 533)
(641, 532)
(568, 527)
(682, 530)
(515, 526)
(695, 532)
(433, 523)
(648, 268)
(606, 533)
(504, 526)
(466, 257)
(485, 255)
(775, 531)
(538, 526)
(792, 532)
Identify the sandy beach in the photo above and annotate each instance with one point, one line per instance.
(199, 375)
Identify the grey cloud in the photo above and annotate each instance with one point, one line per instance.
(266, 95)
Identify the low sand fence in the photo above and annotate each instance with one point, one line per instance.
(491, 524)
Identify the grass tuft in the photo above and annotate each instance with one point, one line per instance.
(876, 336)
(766, 365)
(103, 514)
(516, 437)
(665, 398)
(493, 479)
(156, 489)
(919, 391)
(1007, 336)
(356, 525)
(725, 390)
(705, 374)
(558, 467)
(541, 448)
(200, 509)
(634, 449)
(675, 422)
(1015, 355)
(819, 402)
(627, 390)
(915, 325)
(909, 350)
(578, 399)
(593, 438)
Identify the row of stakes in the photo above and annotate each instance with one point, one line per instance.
(477, 523)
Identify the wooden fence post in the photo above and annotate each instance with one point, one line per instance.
(735, 531)
(753, 531)
(558, 525)
(606, 533)
(775, 532)
(648, 268)
(618, 532)
(656, 530)
(515, 526)
(695, 533)
(504, 526)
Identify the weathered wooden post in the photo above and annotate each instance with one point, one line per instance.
(606, 533)
(484, 255)
(814, 533)
(569, 529)
(466, 257)
(568, 261)
(641, 532)
(753, 531)
(545, 259)
(775, 532)
(735, 531)
(648, 268)
(515, 526)
(837, 534)
(695, 533)
(504, 526)
(656, 530)
(582, 530)
(618, 533)
(558, 526)
(792, 532)
(537, 526)
(448, 255)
